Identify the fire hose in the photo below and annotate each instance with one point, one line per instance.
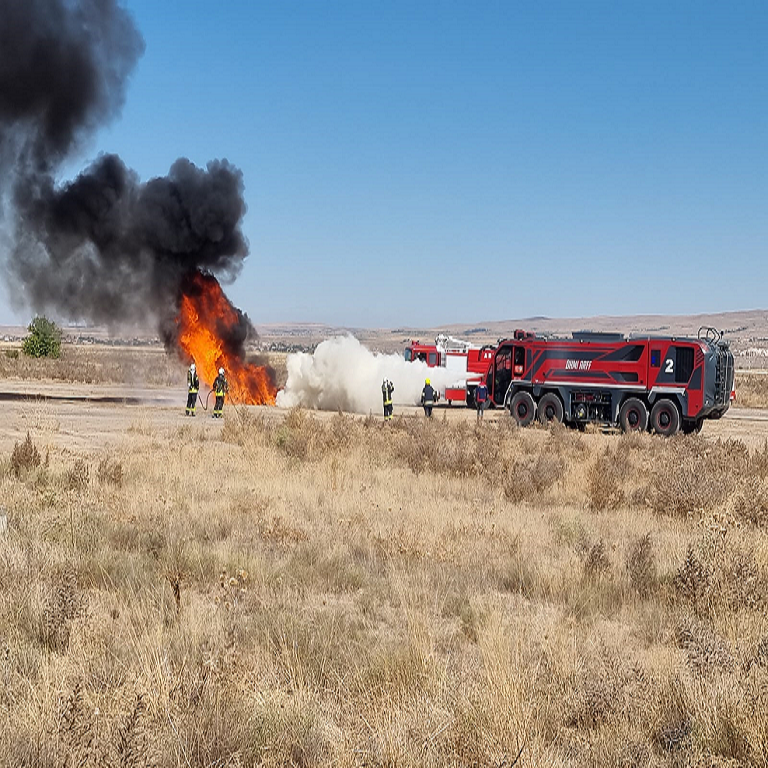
(207, 397)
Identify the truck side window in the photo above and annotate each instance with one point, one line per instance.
(519, 361)
(684, 367)
(432, 358)
(655, 358)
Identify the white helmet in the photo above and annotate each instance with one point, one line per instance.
(221, 371)
(192, 367)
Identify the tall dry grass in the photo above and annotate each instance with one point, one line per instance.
(751, 389)
(351, 592)
(97, 364)
(84, 364)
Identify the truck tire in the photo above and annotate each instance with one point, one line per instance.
(692, 427)
(665, 418)
(633, 415)
(522, 408)
(550, 409)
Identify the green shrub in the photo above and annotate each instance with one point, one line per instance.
(44, 338)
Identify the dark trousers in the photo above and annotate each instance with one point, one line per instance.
(191, 403)
(218, 406)
(428, 409)
(387, 410)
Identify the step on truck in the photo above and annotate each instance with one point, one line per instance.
(637, 383)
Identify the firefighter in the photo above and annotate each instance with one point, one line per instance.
(481, 399)
(428, 398)
(387, 388)
(220, 388)
(193, 385)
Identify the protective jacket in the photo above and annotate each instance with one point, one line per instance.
(220, 386)
(427, 395)
(387, 388)
(193, 382)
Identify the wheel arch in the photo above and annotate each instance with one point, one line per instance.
(652, 398)
(630, 395)
(513, 389)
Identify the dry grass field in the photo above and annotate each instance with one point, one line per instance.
(289, 588)
(132, 366)
(751, 389)
(148, 366)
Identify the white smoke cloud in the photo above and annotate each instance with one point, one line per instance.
(342, 373)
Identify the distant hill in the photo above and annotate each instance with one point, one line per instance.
(746, 330)
(743, 329)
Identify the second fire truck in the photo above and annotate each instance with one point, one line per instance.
(468, 362)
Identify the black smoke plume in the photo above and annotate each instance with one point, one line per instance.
(109, 249)
(105, 247)
(64, 65)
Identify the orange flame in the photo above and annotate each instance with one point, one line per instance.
(206, 321)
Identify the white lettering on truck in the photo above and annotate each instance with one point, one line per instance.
(578, 365)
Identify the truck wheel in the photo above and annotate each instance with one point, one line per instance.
(633, 415)
(522, 408)
(550, 409)
(665, 418)
(692, 427)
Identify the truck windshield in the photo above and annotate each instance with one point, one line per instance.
(408, 355)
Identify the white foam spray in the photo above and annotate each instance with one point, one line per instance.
(342, 373)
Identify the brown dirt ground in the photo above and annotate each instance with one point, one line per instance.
(87, 422)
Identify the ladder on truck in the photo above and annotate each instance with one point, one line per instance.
(452, 344)
(723, 375)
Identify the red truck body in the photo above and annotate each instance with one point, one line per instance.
(664, 384)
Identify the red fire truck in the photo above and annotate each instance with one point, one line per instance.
(469, 362)
(637, 383)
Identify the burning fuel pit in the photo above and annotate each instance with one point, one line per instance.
(212, 332)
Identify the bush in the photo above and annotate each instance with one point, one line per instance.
(641, 566)
(64, 604)
(750, 503)
(110, 471)
(530, 476)
(25, 456)
(44, 338)
(605, 479)
(596, 561)
(77, 477)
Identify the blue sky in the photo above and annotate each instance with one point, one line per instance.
(424, 163)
